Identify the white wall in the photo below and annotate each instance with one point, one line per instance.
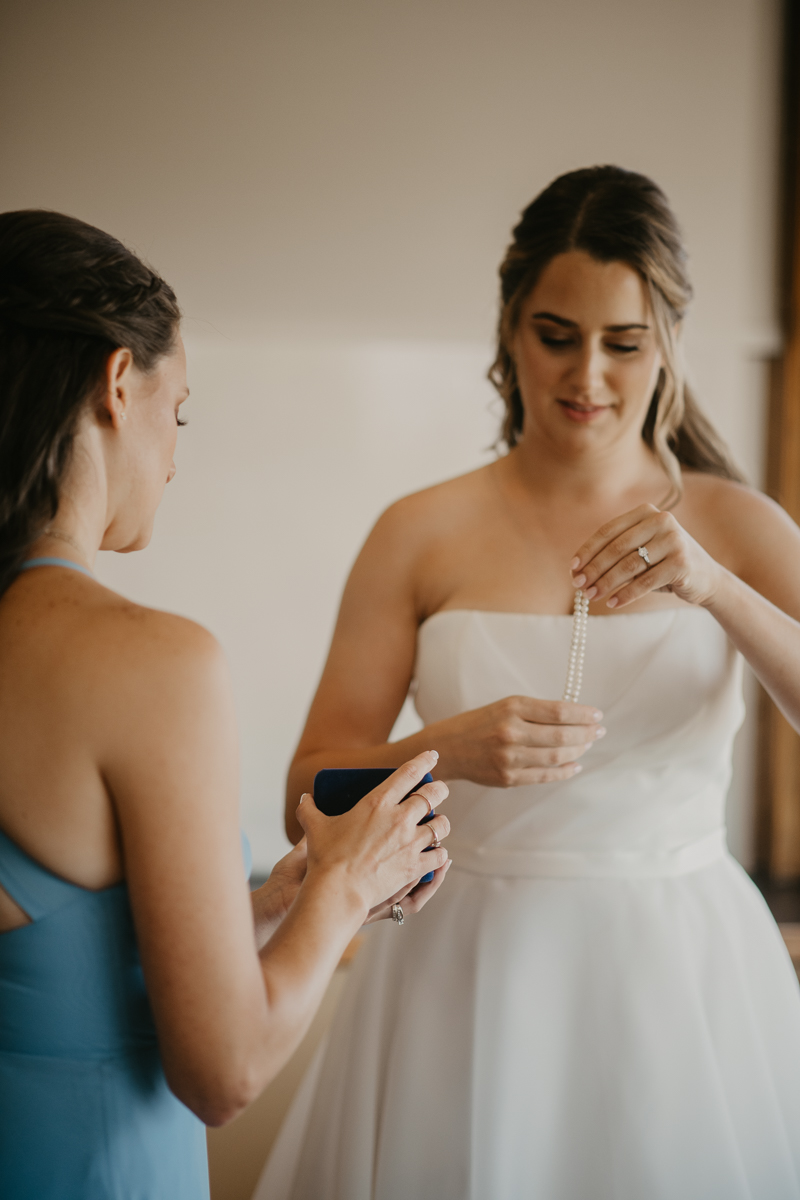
(330, 186)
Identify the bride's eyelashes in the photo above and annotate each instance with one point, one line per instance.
(560, 343)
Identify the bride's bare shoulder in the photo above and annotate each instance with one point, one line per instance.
(734, 521)
(442, 509)
(713, 499)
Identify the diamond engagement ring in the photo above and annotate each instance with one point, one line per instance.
(642, 552)
(397, 914)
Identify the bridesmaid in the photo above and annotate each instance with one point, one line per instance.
(612, 1010)
(143, 991)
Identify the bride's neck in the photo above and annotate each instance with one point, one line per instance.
(620, 476)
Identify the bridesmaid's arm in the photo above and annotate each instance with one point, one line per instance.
(230, 1003)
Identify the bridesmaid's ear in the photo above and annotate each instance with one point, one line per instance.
(115, 399)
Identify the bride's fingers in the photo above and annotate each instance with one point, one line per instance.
(632, 566)
(619, 549)
(547, 774)
(567, 737)
(659, 578)
(606, 533)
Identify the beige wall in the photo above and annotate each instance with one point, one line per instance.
(330, 185)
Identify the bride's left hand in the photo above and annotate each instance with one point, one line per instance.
(609, 567)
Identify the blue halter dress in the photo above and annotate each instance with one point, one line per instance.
(85, 1110)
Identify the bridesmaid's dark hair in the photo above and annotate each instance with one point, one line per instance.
(615, 216)
(69, 296)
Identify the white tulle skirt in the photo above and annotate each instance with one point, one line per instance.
(559, 1039)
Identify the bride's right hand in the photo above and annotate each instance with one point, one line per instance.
(515, 741)
(376, 849)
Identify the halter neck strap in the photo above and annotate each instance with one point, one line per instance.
(30, 563)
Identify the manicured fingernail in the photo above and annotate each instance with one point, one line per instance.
(598, 733)
(590, 593)
(448, 864)
(612, 603)
(305, 796)
(435, 754)
(598, 716)
(578, 768)
(576, 562)
(579, 580)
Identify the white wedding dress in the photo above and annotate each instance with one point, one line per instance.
(598, 1004)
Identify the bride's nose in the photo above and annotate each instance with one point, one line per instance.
(586, 374)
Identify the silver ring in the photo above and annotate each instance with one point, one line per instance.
(435, 844)
(642, 552)
(397, 914)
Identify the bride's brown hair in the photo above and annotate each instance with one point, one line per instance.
(615, 216)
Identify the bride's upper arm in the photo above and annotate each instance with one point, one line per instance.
(371, 658)
(756, 539)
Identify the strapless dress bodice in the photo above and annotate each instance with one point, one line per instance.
(651, 794)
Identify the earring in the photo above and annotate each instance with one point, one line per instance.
(124, 416)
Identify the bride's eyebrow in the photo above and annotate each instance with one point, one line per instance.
(548, 316)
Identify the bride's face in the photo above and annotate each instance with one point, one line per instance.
(586, 354)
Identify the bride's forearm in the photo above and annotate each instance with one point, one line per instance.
(767, 637)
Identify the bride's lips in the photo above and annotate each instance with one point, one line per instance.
(582, 413)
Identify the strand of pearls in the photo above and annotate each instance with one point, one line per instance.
(577, 650)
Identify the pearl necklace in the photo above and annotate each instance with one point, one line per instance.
(577, 650)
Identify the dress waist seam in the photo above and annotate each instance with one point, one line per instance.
(590, 864)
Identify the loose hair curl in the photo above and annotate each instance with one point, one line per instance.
(615, 216)
(69, 296)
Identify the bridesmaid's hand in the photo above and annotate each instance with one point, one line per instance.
(608, 566)
(375, 850)
(516, 741)
(412, 899)
(273, 899)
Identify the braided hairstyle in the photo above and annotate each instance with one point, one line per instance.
(615, 216)
(69, 296)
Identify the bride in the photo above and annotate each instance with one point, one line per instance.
(601, 1006)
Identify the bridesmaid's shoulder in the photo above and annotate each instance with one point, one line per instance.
(104, 657)
(112, 639)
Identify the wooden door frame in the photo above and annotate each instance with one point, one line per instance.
(778, 832)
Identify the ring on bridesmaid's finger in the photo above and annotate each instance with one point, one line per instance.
(642, 552)
(430, 804)
(397, 914)
(435, 844)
